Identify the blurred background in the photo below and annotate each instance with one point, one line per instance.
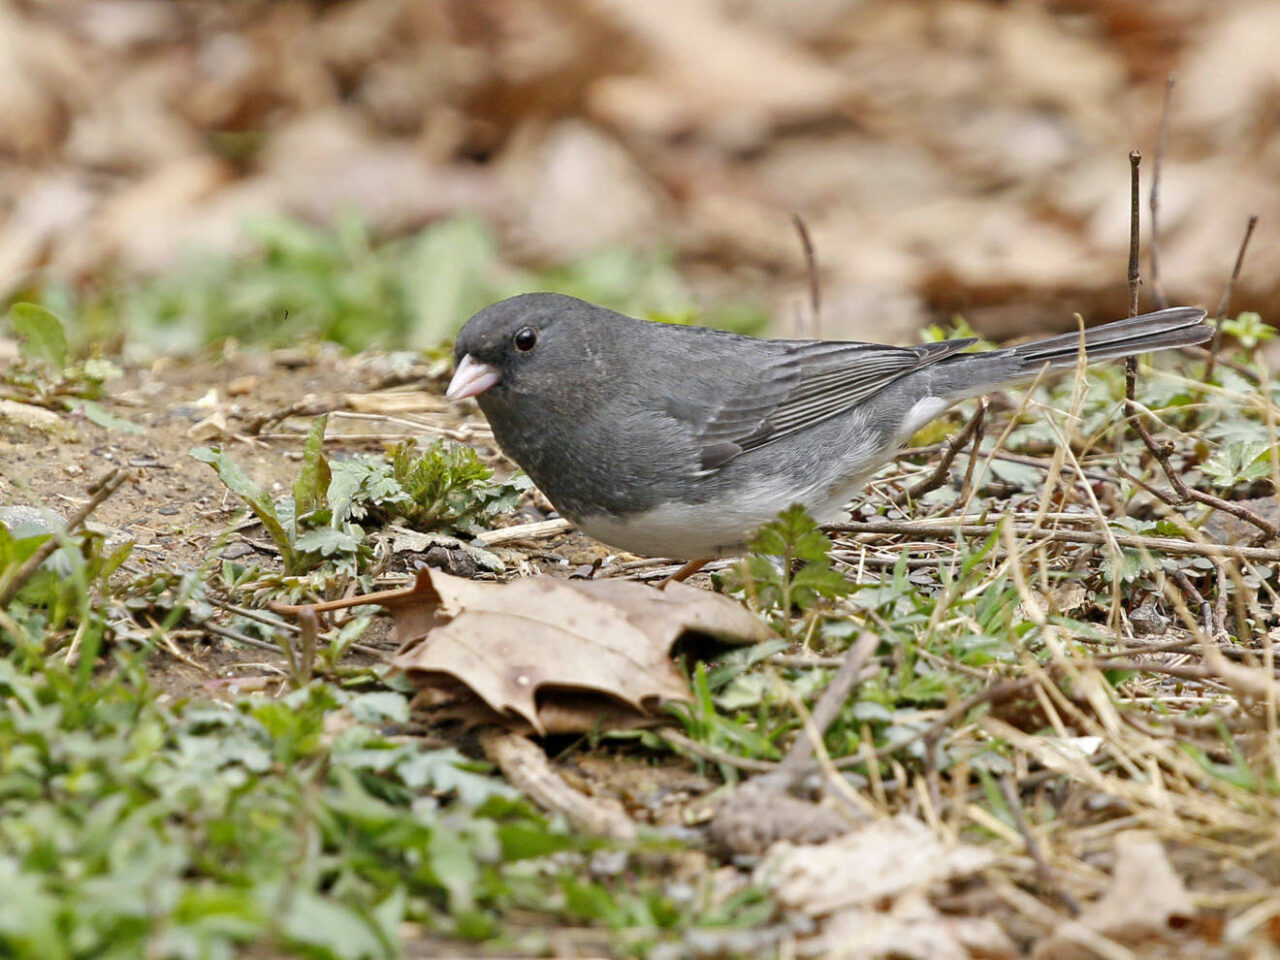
(173, 172)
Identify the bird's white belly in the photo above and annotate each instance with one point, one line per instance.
(689, 531)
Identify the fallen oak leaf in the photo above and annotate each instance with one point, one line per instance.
(508, 642)
(512, 644)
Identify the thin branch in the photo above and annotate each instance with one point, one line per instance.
(1044, 873)
(811, 269)
(1225, 303)
(830, 703)
(301, 408)
(1135, 212)
(749, 764)
(1193, 595)
(1185, 493)
(1165, 545)
(957, 443)
(99, 492)
(1162, 142)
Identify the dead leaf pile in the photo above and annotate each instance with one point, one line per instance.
(553, 656)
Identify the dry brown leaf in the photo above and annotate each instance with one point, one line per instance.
(883, 859)
(1146, 893)
(509, 642)
(910, 930)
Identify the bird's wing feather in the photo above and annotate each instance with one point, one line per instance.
(806, 382)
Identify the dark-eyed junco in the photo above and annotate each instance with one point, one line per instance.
(679, 441)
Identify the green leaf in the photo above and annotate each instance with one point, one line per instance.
(328, 541)
(43, 339)
(379, 707)
(312, 485)
(445, 772)
(454, 864)
(94, 412)
(1238, 461)
(521, 841)
(259, 501)
(794, 534)
(338, 930)
(1249, 328)
(589, 901)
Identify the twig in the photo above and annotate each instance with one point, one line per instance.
(1225, 303)
(1183, 492)
(229, 634)
(525, 531)
(1206, 609)
(1200, 353)
(1162, 142)
(829, 704)
(681, 742)
(966, 485)
(1043, 871)
(1220, 602)
(1166, 545)
(1131, 363)
(811, 269)
(1135, 209)
(957, 443)
(99, 492)
(308, 408)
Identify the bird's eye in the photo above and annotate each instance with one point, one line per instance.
(525, 339)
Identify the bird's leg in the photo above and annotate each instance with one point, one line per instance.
(685, 572)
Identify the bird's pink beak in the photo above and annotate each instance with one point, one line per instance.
(472, 377)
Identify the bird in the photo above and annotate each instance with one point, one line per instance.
(679, 441)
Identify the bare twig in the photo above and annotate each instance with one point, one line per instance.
(1135, 209)
(1131, 363)
(99, 492)
(1162, 142)
(681, 742)
(310, 407)
(1044, 873)
(810, 330)
(1185, 493)
(1206, 609)
(829, 704)
(1165, 545)
(537, 530)
(1225, 303)
(957, 443)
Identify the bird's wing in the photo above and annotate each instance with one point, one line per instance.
(806, 382)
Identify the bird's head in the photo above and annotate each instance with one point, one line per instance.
(516, 344)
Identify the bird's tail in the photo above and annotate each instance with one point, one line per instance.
(1174, 327)
(971, 374)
